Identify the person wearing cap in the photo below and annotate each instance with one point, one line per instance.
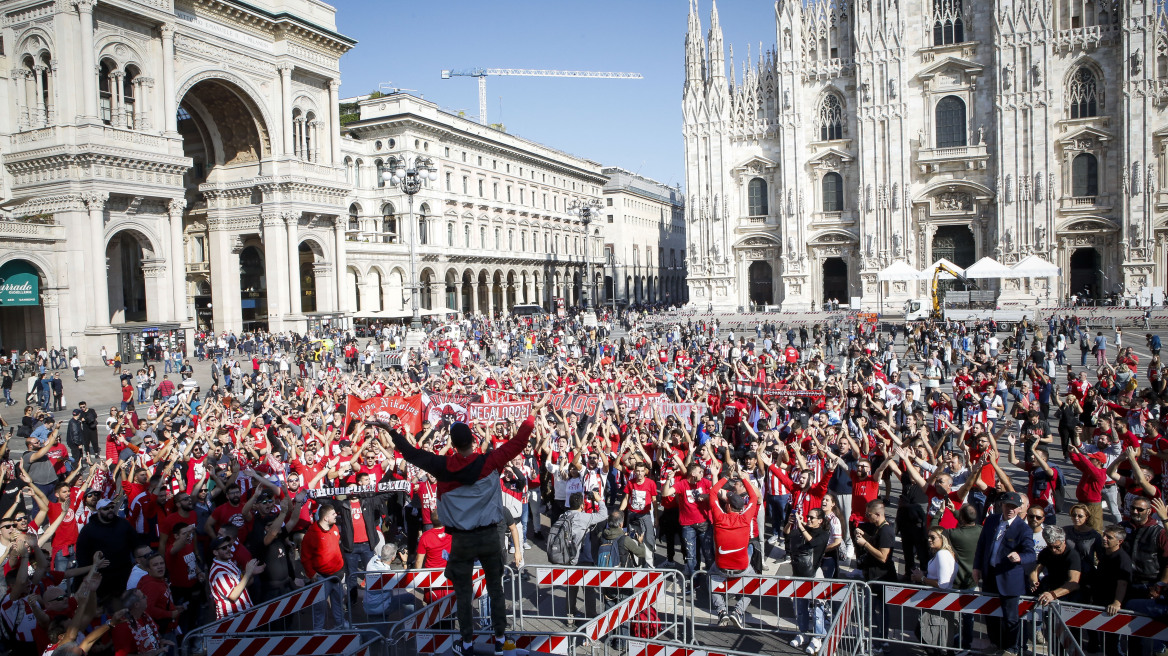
(228, 585)
(732, 533)
(106, 532)
(470, 503)
(1005, 551)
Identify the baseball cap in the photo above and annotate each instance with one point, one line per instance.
(1012, 499)
(737, 502)
(221, 541)
(103, 503)
(460, 436)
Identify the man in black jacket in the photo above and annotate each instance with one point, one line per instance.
(75, 436)
(358, 518)
(109, 534)
(89, 425)
(806, 543)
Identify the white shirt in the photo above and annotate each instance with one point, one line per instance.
(942, 567)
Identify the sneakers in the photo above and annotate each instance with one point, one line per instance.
(526, 545)
(511, 549)
(737, 619)
(773, 540)
(813, 646)
(499, 641)
(723, 618)
(797, 641)
(463, 648)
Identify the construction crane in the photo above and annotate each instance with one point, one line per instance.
(482, 73)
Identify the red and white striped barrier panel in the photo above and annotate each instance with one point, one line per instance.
(273, 610)
(1094, 619)
(441, 609)
(604, 623)
(841, 625)
(770, 587)
(441, 644)
(406, 580)
(596, 578)
(639, 648)
(953, 602)
(283, 645)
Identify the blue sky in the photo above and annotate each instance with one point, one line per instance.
(634, 124)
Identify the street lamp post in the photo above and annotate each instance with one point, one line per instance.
(586, 211)
(409, 176)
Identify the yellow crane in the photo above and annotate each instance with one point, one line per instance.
(937, 269)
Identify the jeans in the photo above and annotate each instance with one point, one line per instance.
(809, 617)
(8, 396)
(168, 366)
(643, 523)
(719, 600)
(484, 545)
(1083, 359)
(356, 560)
(777, 506)
(534, 507)
(522, 524)
(697, 537)
(336, 597)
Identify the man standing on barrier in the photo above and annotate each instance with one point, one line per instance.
(1005, 551)
(471, 504)
(732, 535)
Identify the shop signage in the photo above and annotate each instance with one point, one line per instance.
(19, 284)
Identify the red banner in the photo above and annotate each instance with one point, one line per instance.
(580, 404)
(636, 401)
(495, 412)
(451, 407)
(407, 408)
(769, 390)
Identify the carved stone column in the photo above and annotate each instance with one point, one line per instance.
(38, 72)
(342, 262)
(178, 272)
(169, 101)
(117, 119)
(155, 271)
(292, 223)
(98, 286)
(335, 120)
(286, 104)
(88, 61)
(275, 265)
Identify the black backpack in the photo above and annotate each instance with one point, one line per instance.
(561, 547)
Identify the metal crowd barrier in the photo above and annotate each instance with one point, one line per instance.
(772, 604)
(294, 643)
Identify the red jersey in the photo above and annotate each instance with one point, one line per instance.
(225, 575)
(641, 495)
(731, 532)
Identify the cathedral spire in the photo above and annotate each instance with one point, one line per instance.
(694, 57)
(733, 79)
(717, 50)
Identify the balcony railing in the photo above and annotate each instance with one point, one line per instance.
(1094, 203)
(28, 231)
(198, 267)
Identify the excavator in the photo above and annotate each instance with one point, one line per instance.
(912, 308)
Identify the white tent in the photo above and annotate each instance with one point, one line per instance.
(987, 267)
(898, 270)
(927, 274)
(1033, 266)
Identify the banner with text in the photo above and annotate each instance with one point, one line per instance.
(407, 408)
(495, 412)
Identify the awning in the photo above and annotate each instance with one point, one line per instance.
(987, 267)
(935, 267)
(1033, 266)
(898, 270)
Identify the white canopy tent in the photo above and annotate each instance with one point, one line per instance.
(987, 267)
(927, 274)
(898, 270)
(1033, 266)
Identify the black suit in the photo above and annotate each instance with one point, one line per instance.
(89, 431)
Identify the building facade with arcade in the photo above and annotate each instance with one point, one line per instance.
(175, 166)
(874, 131)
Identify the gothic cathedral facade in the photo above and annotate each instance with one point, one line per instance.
(876, 131)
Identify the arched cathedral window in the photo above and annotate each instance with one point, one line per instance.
(1082, 94)
(832, 187)
(1085, 175)
(757, 197)
(951, 130)
(948, 27)
(831, 118)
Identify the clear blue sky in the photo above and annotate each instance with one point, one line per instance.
(634, 124)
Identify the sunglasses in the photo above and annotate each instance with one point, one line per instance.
(1135, 509)
(56, 598)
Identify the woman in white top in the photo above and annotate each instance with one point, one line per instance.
(935, 628)
(942, 565)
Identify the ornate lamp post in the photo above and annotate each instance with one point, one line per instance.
(586, 211)
(409, 176)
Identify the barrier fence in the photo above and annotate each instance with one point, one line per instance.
(657, 613)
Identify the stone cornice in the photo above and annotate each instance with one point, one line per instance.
(242, 14)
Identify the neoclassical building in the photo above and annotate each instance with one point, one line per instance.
(877, 130)
(494, 230)
(180, 165)
(643, 226)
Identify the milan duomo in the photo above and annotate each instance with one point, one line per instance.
(876, 131)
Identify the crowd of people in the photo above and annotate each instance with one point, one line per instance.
(918, 454)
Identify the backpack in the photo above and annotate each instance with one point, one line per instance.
(608, 554)
(561, 547)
